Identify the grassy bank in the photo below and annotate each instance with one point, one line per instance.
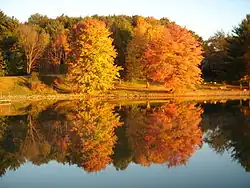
(19, 88)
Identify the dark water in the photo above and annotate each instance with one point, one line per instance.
(96, 144)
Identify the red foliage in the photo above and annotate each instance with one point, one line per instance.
(169, 134)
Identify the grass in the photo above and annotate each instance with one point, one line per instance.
(14, 85)
(31, 88)
(22, 85)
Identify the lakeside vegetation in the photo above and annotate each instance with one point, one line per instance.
(119, 56)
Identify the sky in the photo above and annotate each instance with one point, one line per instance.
(204, 17)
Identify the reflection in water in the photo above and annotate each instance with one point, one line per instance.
(169, 133)
(92, 134)
(227, 128)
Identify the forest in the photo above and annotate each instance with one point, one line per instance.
(94, 53)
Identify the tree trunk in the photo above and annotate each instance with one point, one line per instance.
(148, 105)
(147, 84)
(28, 69)
(29, 63)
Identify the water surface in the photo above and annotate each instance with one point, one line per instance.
(97, 144)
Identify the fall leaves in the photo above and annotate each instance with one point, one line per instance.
(169, 54)
(92, 52)
(91, 65)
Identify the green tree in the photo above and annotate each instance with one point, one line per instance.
(121, 29)
(238, 47)
(216, 65)
(12, 56)
(39, 20)
(2, 64)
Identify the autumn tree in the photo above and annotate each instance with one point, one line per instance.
(33, 43)
(145, 30)
(58, 51)
(91, 65)
(174, 58)
(168, 134)
(164, 53)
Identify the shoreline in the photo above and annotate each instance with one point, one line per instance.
(113, 96)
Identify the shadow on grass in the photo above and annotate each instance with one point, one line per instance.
(53, 81)
(24, 82)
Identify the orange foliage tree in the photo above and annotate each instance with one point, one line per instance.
(169, 54)
(59, 50)
(167, 134)
(174, 58)
(146, 29)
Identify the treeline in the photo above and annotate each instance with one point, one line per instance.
(227, 56)
(95, 51)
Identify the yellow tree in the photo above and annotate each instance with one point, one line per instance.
(91, 61)
(92, 136)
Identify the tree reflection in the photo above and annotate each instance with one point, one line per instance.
(34, 147)
(11, 136)
(123, 155)
(79, 132)
(166, 134)
(227, 128)
(90, 134)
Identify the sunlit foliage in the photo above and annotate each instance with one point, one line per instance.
(91, 64)
(169, 54)
(33, 43)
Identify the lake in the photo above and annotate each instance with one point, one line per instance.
(170, 143)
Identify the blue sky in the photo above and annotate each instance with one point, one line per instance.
(204, 17)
